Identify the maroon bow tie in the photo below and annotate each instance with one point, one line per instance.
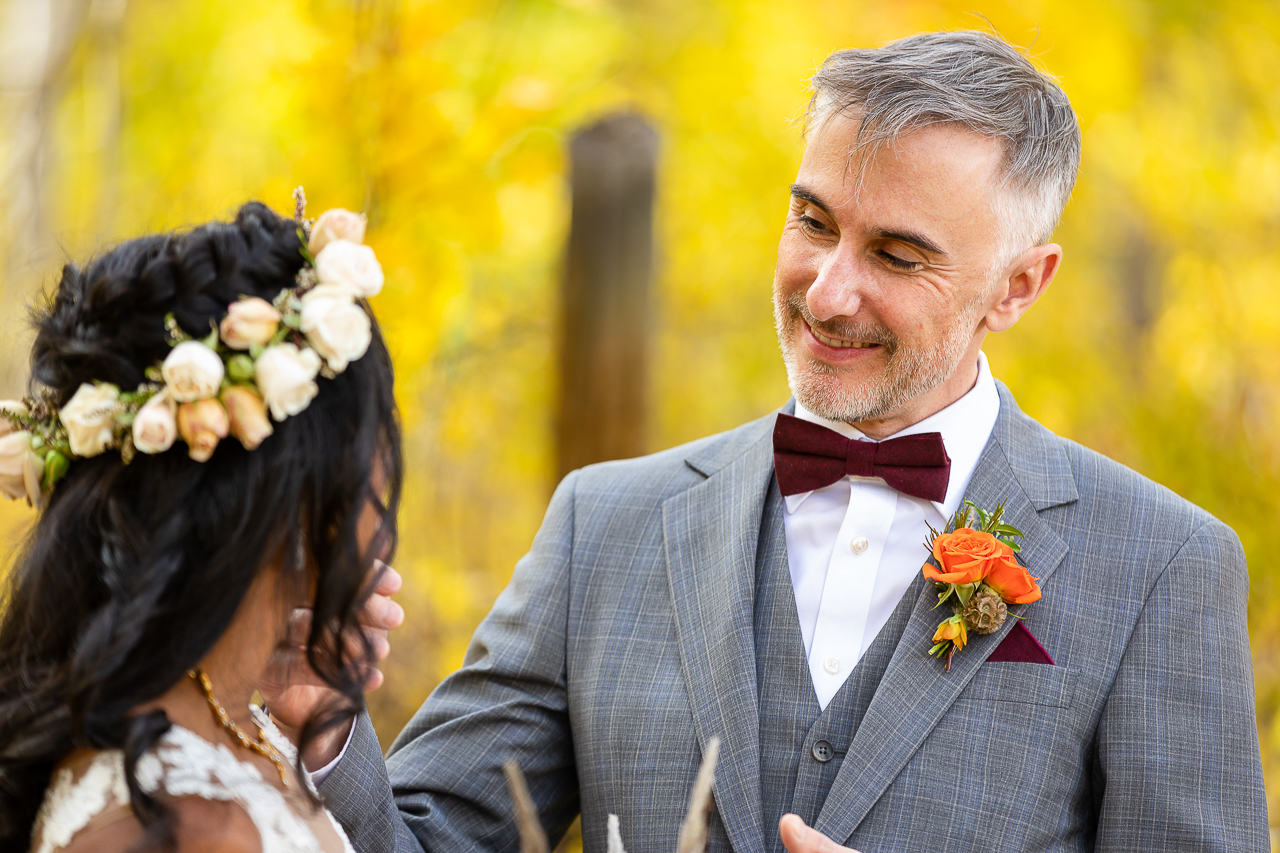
(807, 456)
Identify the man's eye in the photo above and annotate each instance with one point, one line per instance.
(897, 262)
(808, 223)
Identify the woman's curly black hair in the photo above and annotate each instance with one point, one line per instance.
(133, 572)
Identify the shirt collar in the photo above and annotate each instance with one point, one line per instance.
(965, 426)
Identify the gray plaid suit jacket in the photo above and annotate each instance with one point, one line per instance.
(624, 643)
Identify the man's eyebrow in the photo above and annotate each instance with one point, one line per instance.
(913, 238)
(803, 192)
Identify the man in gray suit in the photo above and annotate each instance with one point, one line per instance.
(692, 594)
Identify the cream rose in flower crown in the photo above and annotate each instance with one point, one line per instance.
(261, 357)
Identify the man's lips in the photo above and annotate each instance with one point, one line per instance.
(837, 343)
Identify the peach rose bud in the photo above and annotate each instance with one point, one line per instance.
(336, 224)
(248, 322)
(202, 424)
(155, 428)
(248, 415)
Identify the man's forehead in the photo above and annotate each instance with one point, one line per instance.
(937, 183)
(835, 145)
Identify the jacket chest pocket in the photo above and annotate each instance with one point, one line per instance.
(1024, 683)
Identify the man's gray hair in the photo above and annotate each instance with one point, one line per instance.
(971, 79)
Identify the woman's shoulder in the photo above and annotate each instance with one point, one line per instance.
(199, 826)
(210, 798)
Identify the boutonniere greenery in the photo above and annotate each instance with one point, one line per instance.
(974, 564)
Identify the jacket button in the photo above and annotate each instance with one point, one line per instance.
(823, 751)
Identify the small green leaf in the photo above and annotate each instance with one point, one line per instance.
(304, 251)
(965, 592)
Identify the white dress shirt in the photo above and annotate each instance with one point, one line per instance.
(855, 546)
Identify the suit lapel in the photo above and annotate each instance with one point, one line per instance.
(710, 537)
(1023, 468)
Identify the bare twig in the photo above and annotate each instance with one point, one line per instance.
(693, 832)
(532, 837)
(299, 205)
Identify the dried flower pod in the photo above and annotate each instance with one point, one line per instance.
(985, 612)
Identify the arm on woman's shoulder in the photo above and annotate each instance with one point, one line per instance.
(442, 786)
(200, 826)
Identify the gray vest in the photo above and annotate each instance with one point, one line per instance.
(801, 744)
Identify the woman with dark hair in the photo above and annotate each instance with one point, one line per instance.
(214, 441)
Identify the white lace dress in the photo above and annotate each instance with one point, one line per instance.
(181, 764)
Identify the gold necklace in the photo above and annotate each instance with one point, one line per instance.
(262, 746)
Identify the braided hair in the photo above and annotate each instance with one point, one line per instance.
(133, 572)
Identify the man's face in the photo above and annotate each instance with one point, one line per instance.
(882, 285)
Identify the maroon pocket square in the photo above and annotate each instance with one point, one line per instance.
(1018, 646)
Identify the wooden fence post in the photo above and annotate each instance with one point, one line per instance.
(605, 293)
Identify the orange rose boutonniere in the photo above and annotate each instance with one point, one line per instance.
(974, 564)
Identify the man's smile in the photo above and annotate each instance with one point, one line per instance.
(836, 342)
(832, 342)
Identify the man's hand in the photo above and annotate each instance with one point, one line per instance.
(291, 687)
(799, 838)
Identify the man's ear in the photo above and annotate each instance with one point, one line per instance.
(1028, 277)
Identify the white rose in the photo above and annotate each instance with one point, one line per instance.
(286, 377)
(193, 372)
(20, 468)
(15, 406)
(336, 224)
(89, 417)
(248, 322)
(155, 427)
(350, 265)
(335, 325)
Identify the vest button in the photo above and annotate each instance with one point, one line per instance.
(823, 751)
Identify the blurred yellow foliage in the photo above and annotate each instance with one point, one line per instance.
(446, 122)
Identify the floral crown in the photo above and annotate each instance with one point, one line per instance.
(263, 357)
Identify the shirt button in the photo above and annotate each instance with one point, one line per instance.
(823, 751)
(831, 665)
(859, 544)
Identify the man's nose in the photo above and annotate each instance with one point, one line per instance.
(838, 289)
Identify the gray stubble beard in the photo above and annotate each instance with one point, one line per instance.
(909, 372)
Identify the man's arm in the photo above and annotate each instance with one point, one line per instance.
(1178, 766)
(446, 789)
